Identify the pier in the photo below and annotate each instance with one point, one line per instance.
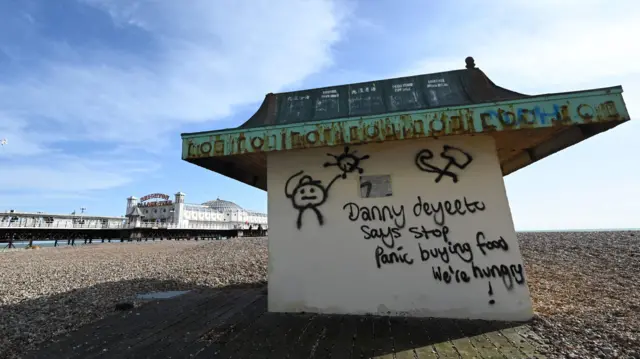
(151, 217)
(76, 229)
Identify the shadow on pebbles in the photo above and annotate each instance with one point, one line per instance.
(584, 286)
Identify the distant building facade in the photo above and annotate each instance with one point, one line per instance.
(158, 209)
(12, 218)
(153, 210)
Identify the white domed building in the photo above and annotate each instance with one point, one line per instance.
(217, 214)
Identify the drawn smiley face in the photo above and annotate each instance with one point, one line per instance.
(308, 193)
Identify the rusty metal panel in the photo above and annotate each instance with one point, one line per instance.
(567, 109)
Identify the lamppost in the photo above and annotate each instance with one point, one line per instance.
(82, 209)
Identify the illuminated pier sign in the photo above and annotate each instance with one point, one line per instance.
(164, 200)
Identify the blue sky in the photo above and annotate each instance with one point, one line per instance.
(95, 93)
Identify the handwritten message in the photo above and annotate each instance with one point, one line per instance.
(437, 242)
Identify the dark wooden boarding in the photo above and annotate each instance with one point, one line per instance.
(233, 323)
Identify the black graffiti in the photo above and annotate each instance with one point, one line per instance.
(387, 235)
(454, 156)
(509, 274)
(368, 187)
(462, 250)
(347, 162)
(375, 213)
(452, 208)
(308, 194)
(422, 232)
(457, 275)
(490, 245)
(391, 258)
(492, 302)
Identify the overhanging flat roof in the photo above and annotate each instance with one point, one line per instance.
(463, 102)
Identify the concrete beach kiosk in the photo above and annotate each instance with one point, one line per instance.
(387, 197)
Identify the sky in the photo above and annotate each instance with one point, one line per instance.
(94, 94)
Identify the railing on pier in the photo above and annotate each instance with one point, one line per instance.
(153, 225)
(62, 225)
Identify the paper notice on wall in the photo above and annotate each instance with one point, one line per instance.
(375, 186)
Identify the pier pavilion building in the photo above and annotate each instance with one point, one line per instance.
(159, 210)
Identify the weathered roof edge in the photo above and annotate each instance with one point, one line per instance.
(562, 119)
(532, 98)
(480, 89)
(391, 95)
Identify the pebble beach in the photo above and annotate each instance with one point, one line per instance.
(584, 286)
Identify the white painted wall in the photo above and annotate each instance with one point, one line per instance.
(256, 218)
(331, 268)
(206, 217)
(59, 222)
(157, 213)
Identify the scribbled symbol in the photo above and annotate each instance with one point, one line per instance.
(491, 301)
(368, 186)
(347, 162)
(308, 193)
(454, 156)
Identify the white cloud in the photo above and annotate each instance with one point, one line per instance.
(18, 142)
(536, 47)
(554, 47)
(210, 57)
(67, 173)
(214, 56)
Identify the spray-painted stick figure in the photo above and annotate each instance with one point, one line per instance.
(308, 194)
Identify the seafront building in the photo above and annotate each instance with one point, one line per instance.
(155, 210)
(216, 214)
(13, 218)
